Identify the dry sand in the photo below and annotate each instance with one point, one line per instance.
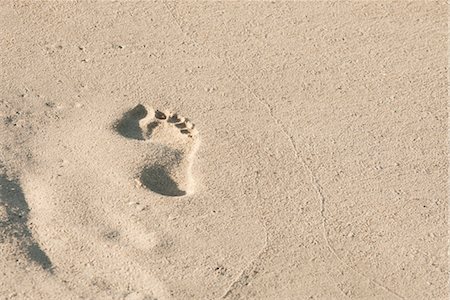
(223, 150)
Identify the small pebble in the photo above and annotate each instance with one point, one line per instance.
(137, 183)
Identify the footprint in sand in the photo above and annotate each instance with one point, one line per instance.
(170, 175)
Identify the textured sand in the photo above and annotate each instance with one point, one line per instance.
(223, 150)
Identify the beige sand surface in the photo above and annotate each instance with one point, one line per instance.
(223, 150)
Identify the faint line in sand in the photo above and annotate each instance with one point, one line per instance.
(315, 183)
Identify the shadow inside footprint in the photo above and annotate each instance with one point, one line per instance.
(157, 179)
(128, 126)
(16, 222)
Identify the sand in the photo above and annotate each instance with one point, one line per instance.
(223, 150)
